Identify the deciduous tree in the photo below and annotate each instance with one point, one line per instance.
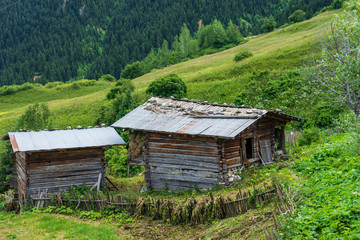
(338, 69)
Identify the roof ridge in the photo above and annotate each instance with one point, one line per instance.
(232, 105)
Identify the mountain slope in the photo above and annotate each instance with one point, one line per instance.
(60, 40)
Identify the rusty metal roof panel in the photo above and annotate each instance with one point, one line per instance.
(173, 122)
(193, 117)
(34, 141)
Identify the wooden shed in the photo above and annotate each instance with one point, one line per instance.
(55, 160)
(182, 143)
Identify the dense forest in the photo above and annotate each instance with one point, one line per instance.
(61, 40)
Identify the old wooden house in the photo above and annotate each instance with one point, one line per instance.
(182, 143)
(54, 160)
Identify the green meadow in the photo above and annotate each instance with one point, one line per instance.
(278, 59)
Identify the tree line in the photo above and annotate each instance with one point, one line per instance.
(60, 40)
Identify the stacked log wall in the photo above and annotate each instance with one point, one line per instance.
(180, 161)
(55, 171)
(232, 153)
(20, 173)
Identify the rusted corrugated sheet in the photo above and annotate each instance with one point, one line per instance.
(172, 122)
(34, 141)
(194, 118)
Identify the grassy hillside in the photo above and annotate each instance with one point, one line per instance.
(70, 107)
(282, 49)
(213, 77)
(278, 57)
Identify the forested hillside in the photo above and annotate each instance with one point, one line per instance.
(63, 39)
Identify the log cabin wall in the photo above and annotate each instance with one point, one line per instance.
(20, 173)
(234, 156)
(58, 170)
(181, 161)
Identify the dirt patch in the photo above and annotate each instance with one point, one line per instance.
(144, 229)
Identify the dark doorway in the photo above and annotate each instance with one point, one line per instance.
(280, 138)
(249, 148)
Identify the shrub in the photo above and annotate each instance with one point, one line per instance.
(242, 55)
(75, 86)
(86, 82)
(8, 90)
(107, 77)
(308, 136)
(297, 16)
(170, 85)
(26, 86)
(53, 84)
(133, 70)
(36, 116)
(116, 161)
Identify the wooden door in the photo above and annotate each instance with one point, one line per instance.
(265, 150)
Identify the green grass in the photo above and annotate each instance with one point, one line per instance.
(282, 49)
(214, 77)
(46, 226)
(69, 107)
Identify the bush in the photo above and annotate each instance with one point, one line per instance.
(53, 84)
(86, 82)
(133, 70)
(74, 86)
(116, 161)
(26, 86)
(170, 85)
(121, 86)
(242, 55)
(297, 16)
(336, 4)
(308, 136)
(107, 77)
(8, 90)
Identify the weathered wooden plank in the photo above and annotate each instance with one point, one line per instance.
(178, 185)
(67, 182)
(185, 152)
(232, 143)
(64, 174)
(190, 147)
(167, 177)
(184, 167)
(44, 177)
(62, 158)
(231, 155)
(180, 172)
(212, 159)
(232, 149)
(63, 168)
(69, 151)
(231, 161)
(181, 136)
(190, 163)
(182, 141)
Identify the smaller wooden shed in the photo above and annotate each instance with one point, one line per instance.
(55, 160)
(185, 143)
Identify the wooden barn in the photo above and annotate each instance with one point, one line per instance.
(50, 161)
(182, 143)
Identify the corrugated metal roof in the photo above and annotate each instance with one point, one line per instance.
(192, 117)
(34, 141)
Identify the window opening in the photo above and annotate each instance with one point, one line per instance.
(249, 148)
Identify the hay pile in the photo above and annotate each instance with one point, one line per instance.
(137, 140)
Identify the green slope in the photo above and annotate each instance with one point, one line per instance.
(212, 77)
(283, 49)
(69, 107)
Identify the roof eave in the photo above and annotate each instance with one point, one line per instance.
(164, 132)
